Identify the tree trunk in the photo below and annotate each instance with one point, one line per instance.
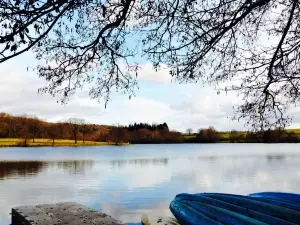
(118, 140)
(53, 142)
(9, 131)
(33, 139)
(25, 142)
(75, 137)
(83, 138)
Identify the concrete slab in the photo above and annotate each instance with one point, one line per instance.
(66, 213)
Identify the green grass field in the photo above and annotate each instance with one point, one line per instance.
(189, 136)
(9, 142)
(297, 131)
(226, 135)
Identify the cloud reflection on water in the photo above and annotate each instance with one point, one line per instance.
(127, 188)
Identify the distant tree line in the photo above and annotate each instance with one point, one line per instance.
(31, 127)
(144, 133)
(28, 127)
(153, 127)
(273, 136)
(210, 135)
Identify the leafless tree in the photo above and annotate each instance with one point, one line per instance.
(23, 129)
(189, 131)
(34, 126)
(249, 46)
(75, 124)
(53, 131)
(84, 129)
(13, 127)
(62, 132)
(117, 134)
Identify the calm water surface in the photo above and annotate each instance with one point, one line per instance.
(128, 181)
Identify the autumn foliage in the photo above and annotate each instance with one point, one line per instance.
(78, 130)
(143, 133)
(26, 127)
(210, 135)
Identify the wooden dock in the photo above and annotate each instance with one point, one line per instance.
(67, 213)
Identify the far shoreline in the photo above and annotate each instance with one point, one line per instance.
(70, 143)
(19, 142)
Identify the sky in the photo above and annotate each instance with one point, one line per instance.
(157, 100)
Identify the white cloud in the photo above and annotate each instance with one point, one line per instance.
(139, 109)
(128, 216)
(19, 95)
(181, 106)
(203, 107)
(146, 177)
(146, 72)
(188, 109)
(195, 108)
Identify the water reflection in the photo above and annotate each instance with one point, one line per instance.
(72, 167)
(15, 169)
(19, 169)
(139, 162)
(126, 184)
(275, 157)
(269, 157)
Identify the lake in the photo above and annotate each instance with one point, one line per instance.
(128, 181)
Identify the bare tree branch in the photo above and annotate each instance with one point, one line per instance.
(248, 46)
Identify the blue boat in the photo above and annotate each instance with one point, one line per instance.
(273, 208)
(290, 197)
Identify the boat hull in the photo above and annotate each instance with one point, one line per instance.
(255, 209)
